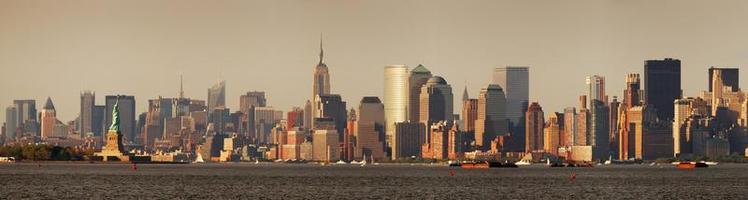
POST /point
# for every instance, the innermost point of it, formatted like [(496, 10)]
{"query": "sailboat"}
[(609, 161), (199, 159)]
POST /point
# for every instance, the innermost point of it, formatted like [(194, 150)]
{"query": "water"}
[(307, 181)]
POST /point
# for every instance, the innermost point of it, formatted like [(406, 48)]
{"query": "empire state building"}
[(321, 84)]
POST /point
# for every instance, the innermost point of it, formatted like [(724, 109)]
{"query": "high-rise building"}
[(409, 139), (613, 125), (534, 124), (325, 145), (662, 85), (217, 96), (247, 104), (516, 84), (443, 142), (369, 131), (632, 95), (436, 101), (685, 110), (333, 107), (596, 89), (307, 115), (570, 127), (320, 83), (552, 133), (48, 119), (26, 111), (88, 101), (583, 127), (395, 100), (599, 130), (126, 114), (11, 122), (295, 118), (98, 122), (418, 77), (730, 78), (252, 98), (469, 114), (491, 120)]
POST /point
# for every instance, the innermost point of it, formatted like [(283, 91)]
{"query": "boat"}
[(257, 161), (452, 163), (523, 162), (609, 161), (341, 162), (363, 162), (475, 165), (711, 163), (199, 159), (7, 159), (685, 165)]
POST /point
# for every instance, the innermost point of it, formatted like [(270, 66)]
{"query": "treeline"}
[(45, 152)]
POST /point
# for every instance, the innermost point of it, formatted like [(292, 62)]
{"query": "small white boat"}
[(199, 159), (711, 163), (609, 161), (257, 161), (341, 162), (523, 162), (363, 162)]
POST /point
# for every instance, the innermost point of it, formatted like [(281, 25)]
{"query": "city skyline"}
[(74, 64)]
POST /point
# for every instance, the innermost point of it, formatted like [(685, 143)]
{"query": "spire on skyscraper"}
[(321, 51), (49, 105), (181, 87), (465, 95)]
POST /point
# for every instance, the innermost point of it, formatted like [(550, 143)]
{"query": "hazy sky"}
[(60, 48)]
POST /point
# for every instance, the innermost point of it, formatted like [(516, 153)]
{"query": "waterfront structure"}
[(409, 139), (443, 142), (662, 85), (491, 118), (515, 82), (325, 145), (396, 100), (88, 101), (685, 109), (417, 79), (48, 119), (730, 78), (126, 113), (436, 101), (217, 96), (369, 129), (534, 124)]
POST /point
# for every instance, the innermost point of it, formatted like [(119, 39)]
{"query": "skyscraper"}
[(217, 96), (596, 89), (88, 101), (48, 119), (320, 83), (662, 85), (26, 111), (516, 84), (570, 126), (99, 120), (730, 77), (331, 106), (534, 124), (491, 120), (436, 101), (370, 129), (469, 114), (409, 137), (126, 114), (395, 99), (418, 77), (247, 104), (11, 121), (632, 95), (552, 133), (599, 130)]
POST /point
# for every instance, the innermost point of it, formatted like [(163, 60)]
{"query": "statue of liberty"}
[(115, 117)]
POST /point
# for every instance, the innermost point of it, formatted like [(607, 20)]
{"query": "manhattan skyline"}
[(65, 51)]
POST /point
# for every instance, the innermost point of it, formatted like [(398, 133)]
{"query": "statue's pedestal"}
[(113, 150)]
